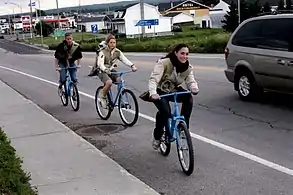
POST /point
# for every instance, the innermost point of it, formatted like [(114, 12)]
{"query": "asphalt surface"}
[(235, 142)]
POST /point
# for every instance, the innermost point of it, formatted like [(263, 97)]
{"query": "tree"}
[(249, 8), (47, 29), (231, 18), (39, 12), (288, 5), (266, 8), (281, 5), (210, 2)]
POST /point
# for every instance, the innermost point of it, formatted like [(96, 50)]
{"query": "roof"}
[(172, 14), (187, 2), (92, 19)]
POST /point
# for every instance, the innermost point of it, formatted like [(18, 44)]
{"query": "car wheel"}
[(247, 87)]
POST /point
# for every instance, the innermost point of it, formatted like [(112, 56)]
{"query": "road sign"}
[(59, 33), (94, 28), (151, 22)]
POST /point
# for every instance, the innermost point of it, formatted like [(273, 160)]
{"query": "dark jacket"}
[(71, 53)]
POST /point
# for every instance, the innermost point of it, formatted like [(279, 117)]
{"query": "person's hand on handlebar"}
[(133, 68), (155, 97), (194, 91), (107, 71)]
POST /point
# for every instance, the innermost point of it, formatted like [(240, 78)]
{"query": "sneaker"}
[(103, 100), (156, 144)]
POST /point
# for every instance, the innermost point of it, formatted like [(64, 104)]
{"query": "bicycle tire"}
[(77, 97), (165, 140), (64, 95), (190, 169), (129, 124), (97, 107)]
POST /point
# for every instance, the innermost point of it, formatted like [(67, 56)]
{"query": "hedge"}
[(207, 41), (13, 180)]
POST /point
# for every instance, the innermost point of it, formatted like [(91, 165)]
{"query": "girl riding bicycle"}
[(168, 73), (106, 63)]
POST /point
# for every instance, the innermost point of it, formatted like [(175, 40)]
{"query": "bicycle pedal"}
[(172, 139)]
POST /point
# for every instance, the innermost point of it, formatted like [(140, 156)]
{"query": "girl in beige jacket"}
[(167, 76)]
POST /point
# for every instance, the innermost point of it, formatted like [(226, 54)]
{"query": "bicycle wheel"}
[(99, 107), (184, 132), (165, 145), (63, 95), (124, 105), (74, 97)]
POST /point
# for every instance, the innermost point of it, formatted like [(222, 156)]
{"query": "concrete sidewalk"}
[(60, 162)]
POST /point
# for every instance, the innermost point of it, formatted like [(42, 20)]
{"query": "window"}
[(276, 34), (272, 34), (248, 35)]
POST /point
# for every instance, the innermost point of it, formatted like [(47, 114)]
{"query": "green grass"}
[(13, 180), (198, 40)]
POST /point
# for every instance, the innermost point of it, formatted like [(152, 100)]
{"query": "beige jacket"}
[(107, 58), (164, 76)]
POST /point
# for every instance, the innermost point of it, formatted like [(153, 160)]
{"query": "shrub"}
[(13, 180)]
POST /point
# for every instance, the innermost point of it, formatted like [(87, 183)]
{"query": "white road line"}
[(196, 136)]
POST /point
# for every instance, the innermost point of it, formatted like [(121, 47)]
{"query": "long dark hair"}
[(178, 65), (176, 49)]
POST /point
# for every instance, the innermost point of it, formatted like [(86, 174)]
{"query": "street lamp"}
[(13, 10), (15, 5)]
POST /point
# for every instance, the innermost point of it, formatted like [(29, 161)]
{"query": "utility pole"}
[(142, 16), (58, 14), (239, 20), (79, 18), (31, 19), (41, 23)]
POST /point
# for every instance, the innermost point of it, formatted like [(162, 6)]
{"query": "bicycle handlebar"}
[(175, 93), (121, 73), (68, 68)]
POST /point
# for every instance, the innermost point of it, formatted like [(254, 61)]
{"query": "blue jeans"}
[(72, 72)]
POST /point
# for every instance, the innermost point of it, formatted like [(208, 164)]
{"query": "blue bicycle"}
[(69, 89), (121, 101), (178, 132)]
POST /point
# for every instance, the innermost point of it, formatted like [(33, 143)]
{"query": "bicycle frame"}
[(68, 79), (175, 117), (121, 87)]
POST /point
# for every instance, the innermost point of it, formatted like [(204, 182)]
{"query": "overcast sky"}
[(46, 4)]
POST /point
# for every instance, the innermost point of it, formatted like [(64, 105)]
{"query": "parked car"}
[(259, 56)]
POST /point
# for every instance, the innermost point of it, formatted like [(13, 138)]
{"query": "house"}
[(87, 22), (199, 11), (124, 21), (180, 18), (217, 14)]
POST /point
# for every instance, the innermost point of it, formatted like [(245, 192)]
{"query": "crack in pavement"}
[(270, 124)]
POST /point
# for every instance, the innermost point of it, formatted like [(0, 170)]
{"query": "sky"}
[(45, 4)]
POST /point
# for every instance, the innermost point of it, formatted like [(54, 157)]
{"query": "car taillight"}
[(226, 52)]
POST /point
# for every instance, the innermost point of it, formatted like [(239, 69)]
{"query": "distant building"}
[(87, 22), (124, 21), (198, 11), (180, 18), (217, 14)]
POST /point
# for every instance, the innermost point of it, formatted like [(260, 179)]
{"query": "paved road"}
[(236, 143)]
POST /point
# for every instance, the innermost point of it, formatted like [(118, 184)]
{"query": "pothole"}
[(100, 129)]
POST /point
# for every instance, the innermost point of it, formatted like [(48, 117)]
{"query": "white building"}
[(180, 18), (125, 20), (87, 23), (217, 14)]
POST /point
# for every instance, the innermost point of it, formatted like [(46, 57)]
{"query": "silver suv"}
[(259, 56)]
